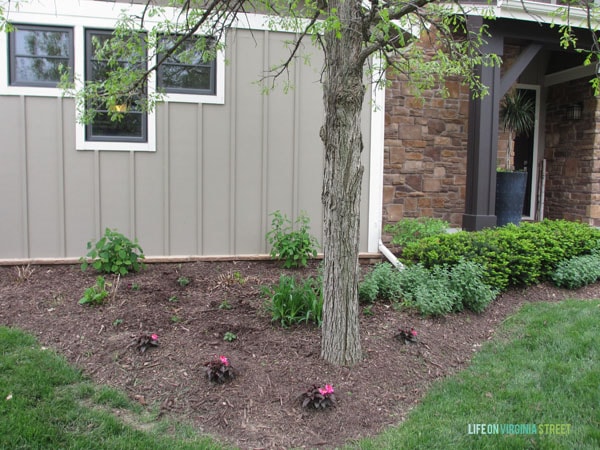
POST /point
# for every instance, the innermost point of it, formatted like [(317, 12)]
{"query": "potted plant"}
[(517, 115)]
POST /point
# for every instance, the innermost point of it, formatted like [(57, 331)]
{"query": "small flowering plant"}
[(219, 370), (318, 397), (407, 335), (144, 341)]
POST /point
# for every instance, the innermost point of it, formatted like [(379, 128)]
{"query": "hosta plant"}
[(318, 397), (219, 370)]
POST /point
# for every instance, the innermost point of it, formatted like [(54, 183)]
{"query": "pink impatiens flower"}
[(328, 389), (224, 360), (154, 337), (413, 331)]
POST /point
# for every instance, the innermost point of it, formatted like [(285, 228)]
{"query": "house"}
[(199, 176), (441, 155)]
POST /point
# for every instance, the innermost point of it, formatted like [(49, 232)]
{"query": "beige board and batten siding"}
[(216, 175)]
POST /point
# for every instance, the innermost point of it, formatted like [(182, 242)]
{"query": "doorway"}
[(526, 152)]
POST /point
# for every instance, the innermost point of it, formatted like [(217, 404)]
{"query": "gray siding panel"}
[(43, 138), (218, 172), (183, 178), (13, 179)]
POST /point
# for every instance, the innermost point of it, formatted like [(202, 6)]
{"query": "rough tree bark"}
[(343, 94)]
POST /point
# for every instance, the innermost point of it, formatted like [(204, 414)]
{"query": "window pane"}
[(187, 77), (36, 54), (38, 69), (42, 43), (129, 126), (185, 71)]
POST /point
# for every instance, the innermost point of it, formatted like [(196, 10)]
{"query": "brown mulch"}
[(259, 408)]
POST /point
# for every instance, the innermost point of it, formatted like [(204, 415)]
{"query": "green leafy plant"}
[(229, 336), (183, 281), (113, 253), (383, 282), (219, 370), (117, 322), (410, 230), (292, 302), (96, 294), (225, 305), (577, 272), (291, 243), (368, 310), (135, 286), (318, 397), (173, 299), (176, 319)]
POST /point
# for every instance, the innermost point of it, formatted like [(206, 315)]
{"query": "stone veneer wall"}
[(572, 155), (425, 153)]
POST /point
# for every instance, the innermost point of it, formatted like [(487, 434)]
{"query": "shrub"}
[(510, 255), (381, 282), (467, 279), (411, 230), (114, 253), (433, 292), (291, 301), (293, 246), (577, 272)]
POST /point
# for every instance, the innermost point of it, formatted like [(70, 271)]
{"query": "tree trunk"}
[(341, 134)]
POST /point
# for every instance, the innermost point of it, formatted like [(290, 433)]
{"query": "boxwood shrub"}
[(511, 255)]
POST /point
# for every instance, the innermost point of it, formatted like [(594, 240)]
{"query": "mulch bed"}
[(259, 408)]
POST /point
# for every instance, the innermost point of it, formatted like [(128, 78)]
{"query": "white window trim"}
[(79, 15)]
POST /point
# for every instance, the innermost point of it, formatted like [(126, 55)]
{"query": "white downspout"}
[(390, 256)]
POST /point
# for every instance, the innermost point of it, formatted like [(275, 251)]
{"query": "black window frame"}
[(12, 54), (88, 75), (212, 90)]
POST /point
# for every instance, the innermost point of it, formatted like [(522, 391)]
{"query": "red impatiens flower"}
[(327, 390)]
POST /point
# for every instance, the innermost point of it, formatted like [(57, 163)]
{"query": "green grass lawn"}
[(543, 367), (47, 404)]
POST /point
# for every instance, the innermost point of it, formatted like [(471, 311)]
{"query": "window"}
[(38, 53), (186, 71), (133, 126)]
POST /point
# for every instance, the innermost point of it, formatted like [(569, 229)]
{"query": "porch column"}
[(480, 196)]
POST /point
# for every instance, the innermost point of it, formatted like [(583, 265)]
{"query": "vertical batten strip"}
[(166, 181), (296, 143), (233, 67), (199, 178), (264, 207), (60, 145), (25, 179)]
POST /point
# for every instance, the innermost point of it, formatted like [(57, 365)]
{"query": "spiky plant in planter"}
[(517, 115)]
